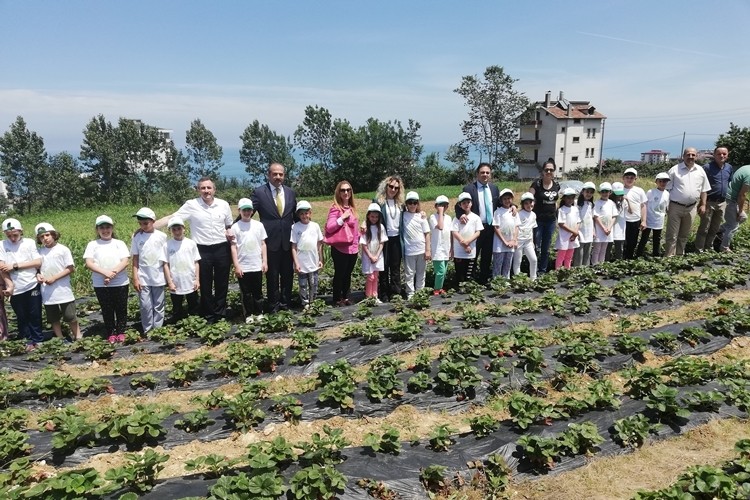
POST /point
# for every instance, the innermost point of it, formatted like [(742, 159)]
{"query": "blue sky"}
[(655, 68)]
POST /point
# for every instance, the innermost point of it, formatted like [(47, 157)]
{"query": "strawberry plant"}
[(632, 431), (663, 402), (665, 341), (50, 384), (266, 486), (688, 370), (14, 418), (243, 411), (459, 378), (82, 483), (540, 452), (194, 421), (71, 429), (94, 348), (530, 360), (320, 482), (422, 363), (382, 379), (693, 335), (9, 389), (337, 381), (463, 349), (497, 474), (553, 302), (289, 407), (139, 473), (388, 442), (704, 401), (630, 344), (580, 439), (601, 395), (144, 424), (324, 450), (641, 381), (525, 306), (421, 299), (473, 318), (213, 401), (186, 372), (214, 334), (364, 309), (96, 385), (440, 438), (419, 382), (146, 381), (190, 326), (406, 327), (170, 337), (433, 479), (376, 489), (579, 354), (282, 321), (13, 444), (212, 466), (499, 286), (526, 410), (483, 425), (278, 449)]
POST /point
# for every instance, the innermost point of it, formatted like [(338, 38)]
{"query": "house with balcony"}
[(570, 132), (655, 156)]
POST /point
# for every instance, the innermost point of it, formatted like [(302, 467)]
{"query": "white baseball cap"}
[(605, 186), (527, 196), (104, 219), (441, 199), (303, 205), (662, 175), (11, 224), (145, 213), (618, 188), (245, 203), (506, 191), (412, 195), (569, 192), (374, 207), (464, 196), (43, 227), (589, 185), (630, 170), (176, 221)]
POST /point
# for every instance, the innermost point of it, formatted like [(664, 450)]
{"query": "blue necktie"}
[(487, 204)]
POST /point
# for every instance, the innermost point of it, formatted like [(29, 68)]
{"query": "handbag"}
[(342, 236)]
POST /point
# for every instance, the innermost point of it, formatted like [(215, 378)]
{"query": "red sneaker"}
[(112, 339)]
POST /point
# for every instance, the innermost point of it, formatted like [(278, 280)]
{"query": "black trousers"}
[(656, 250), (279, 279), (343, 267), (178, 305), (251, 289), (464, 270), (28, 309), (389, 281), (214, 267), (114, 303), (632, 231), (483, 269)]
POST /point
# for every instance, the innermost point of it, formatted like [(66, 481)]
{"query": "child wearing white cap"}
[(441, 244), (526, 225), (465, 238), (307, 253), (250, 260), (505, 224), (568, 224), (582, 254), (21, 260), (182, 270), (616, 250), (371, 244), (656, 211), (634, 202), (605, 213), (54, 276), (149, 251), (107, 258), (415, 234)]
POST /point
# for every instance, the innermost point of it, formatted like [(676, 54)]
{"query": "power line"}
[(643, 142), (734, 111)]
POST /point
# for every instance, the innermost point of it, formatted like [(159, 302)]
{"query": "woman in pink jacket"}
[(342, 234)]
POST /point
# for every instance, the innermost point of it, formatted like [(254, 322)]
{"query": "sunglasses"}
[(605, 191), (395, 188), (412, 202), (344, 190), (662, 180)]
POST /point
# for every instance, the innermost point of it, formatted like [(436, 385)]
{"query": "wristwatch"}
[(15, 266)]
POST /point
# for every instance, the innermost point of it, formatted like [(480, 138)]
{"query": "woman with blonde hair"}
[(390, 197), (342, 234)]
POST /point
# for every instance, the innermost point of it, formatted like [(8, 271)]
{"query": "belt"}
[(718, 199), (683, 204)]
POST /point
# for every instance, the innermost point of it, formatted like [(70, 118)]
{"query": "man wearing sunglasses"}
[(484, 195)]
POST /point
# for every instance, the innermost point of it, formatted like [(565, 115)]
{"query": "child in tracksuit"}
[(440, 236), (505, 224), (148, 249), (526, 225), (415, 231), (568, 224), (307, 253)]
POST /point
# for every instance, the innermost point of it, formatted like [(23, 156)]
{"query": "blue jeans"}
[(542, 240), (28, 309)]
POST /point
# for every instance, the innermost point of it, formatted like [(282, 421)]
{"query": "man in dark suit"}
[(275, 204), (484, 196)]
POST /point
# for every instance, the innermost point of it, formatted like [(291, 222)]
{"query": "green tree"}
[(147, 155), (737, 140), (262, 146), (458, 155), (315, 137), (102, 160), (63, 185), (494, 108), (432, 172), (22, 162), (203, 151)]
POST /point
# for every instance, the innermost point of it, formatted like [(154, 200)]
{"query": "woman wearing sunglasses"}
[(390, 197), (342, 234), (546, 192)]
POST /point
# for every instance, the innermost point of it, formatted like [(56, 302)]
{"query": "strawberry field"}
[(468, 395)]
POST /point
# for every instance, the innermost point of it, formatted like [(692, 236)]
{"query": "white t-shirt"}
[(605, 211), (23, 250), (249, 237), (466, 231), (504, 219), (632, 201), (414, 229), (151, 249), (571, 217), (440, 240), (182, 256), (618, 232), (526, 225), (54, 261), (107, 254), (367, 265), (306, 237), (392, 217), (208, 223), (656, 209), (586, 231)]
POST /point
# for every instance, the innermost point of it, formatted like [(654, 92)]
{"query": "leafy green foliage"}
[(143, 424), (382, 379), (211, 465), (317, 481), (139, 473), (632, 430), (388, 442), (194, 421), (337, 382), (266, 486), (440, 438)]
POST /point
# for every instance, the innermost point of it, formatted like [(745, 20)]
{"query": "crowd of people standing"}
[(489, 234)]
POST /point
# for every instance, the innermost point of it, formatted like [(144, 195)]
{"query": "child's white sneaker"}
[(249, 320)]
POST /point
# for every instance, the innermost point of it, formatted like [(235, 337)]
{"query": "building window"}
[(593, 133), (587, 152), (576, 140), (562, 130), (574, 159), (577, 121), (588, 133), (592, 152), (562, 150)]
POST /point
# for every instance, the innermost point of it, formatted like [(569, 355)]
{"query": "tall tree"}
[(63, 186), (458, 154), (22, 162), (146, 153), (262, 146), (315, 136), (203, 151), (102, 160), (494, 108), (737, 140)]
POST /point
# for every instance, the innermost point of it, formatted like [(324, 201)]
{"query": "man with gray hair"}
[(688, 188), (719, 174)]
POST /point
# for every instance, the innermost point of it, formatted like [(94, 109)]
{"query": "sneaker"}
[(306, 307), (121, 338), (347, 302), (436, 293), (260, 317), (30, 347), (112, 339), (249, 320), (378, 301)]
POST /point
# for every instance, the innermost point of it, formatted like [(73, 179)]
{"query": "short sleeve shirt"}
[(740, 178), (545, 200), (634, 198), (466, 231), (23, 250), (208, 223), (504, 219), (526, 225), (605, 211), (182, 256), (367, 265), (686, 185), (249, 237), (656, 209), (414, 228), (306, 237), (586, 232), (54, 261), (151, 249), (107, 254), (440, 239), (570, 217)]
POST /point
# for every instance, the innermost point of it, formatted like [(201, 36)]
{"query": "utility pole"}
[(682, 149)]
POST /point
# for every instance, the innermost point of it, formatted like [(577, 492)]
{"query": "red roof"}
[(581, 109)]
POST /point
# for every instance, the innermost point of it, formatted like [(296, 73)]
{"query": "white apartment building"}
[(655, 156), (570, 132)]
